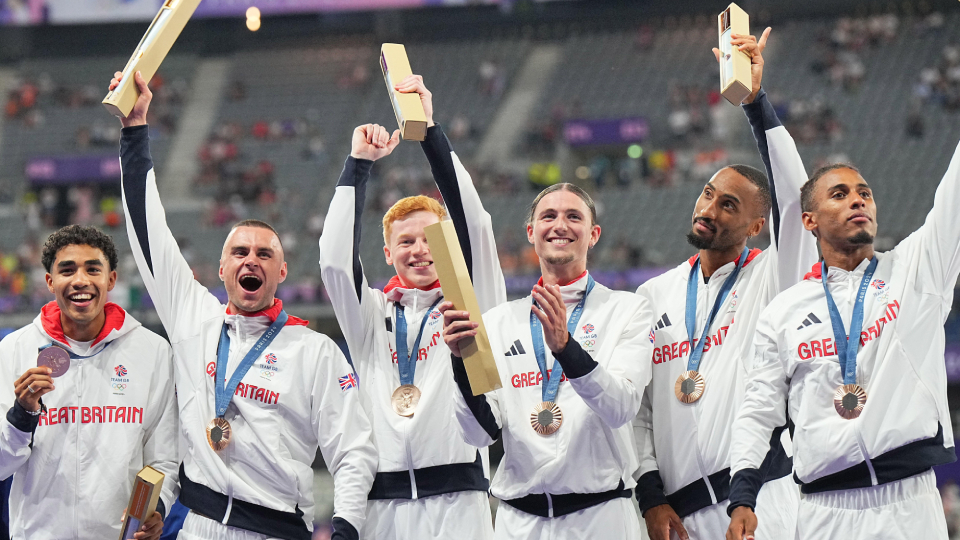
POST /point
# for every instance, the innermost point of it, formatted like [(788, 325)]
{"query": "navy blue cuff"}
[(162, 508), (744, 488), (761, 112), (355, 172), (21, 419), (478, 404), (343, 530), (650, 491), (575, 361), (435, 141), (135, 132)]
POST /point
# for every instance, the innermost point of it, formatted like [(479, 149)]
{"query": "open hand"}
[(138, 115), (754, 50), (373, 141), (552, 313)]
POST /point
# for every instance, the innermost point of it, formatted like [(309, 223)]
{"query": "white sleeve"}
[(343, 434), (614, 390), (472, 222), (340, 267), (764, 404), (161, 429), (181, 302), (17, 426), (939, 237), (795, 247), (479, 416)]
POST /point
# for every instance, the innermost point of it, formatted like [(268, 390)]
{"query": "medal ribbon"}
[(847, 351), (73, 355), (551, 380), (696, 352), (406, 364), (223, 393)]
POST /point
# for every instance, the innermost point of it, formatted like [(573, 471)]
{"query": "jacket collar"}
[(116, 323), (817, 274), (271, 313), (572, 292), (396, 291)]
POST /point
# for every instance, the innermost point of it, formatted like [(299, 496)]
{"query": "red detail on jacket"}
[(50, 318), (273, 312)]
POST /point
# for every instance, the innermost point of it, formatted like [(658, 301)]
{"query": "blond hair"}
[(407, 206)]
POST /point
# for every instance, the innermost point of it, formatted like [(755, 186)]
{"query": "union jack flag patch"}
[(652, 336), (349, 381)]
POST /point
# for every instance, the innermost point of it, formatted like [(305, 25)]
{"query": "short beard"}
[(862, 238), (700, 243), (558, 261)]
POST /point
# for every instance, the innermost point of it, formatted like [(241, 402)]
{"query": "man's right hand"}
[(754, 49), (138, 115), (743, 523), (456, 326), (660, 519), (31, 386), (373, 141)]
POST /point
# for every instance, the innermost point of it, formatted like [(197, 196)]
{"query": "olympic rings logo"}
[(267, 373), (589, 342), (119, 386)]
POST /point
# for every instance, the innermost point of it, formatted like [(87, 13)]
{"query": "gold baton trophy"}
[(735, 80), (407, 107), (457, 288), (149, 54), (143, 501)]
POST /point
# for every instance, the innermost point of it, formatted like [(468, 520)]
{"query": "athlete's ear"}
[(810, 222), (756, 227), (530, 233), (387, 256), (283, 272), (594, 235)]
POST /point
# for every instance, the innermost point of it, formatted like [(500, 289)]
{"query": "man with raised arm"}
[(430, 483), (853, 355), (564, 417), (92, 403), (251, 434), (708, 309)]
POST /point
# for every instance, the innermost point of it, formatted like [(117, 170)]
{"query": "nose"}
[(80, 280), (421, 247), (708, 211), (856, 201), (251, 260)]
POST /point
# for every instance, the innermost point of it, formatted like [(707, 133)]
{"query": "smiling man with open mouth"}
[(246, 471)]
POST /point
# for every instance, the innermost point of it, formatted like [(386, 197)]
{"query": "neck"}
[(712, 259), (82, 332), (561, 274), (234, 310), (845, 257)]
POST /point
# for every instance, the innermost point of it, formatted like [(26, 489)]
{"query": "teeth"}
[(560, 241), (420, 264), (81, 297)]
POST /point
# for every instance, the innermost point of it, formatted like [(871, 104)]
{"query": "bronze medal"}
[(405, 400), (849, 400), (219, 433), (689, 386), (546, 418), (55, 358)]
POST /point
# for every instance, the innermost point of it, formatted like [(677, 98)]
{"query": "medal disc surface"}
[(55, 358), (218, 433), (546, 418), (849, 400), (689, 386), (405, 400)]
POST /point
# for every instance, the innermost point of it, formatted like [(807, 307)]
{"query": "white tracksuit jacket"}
[(423, 455), (905, 427), (593, 452), (684, 446), (297, 396), (113, 412)]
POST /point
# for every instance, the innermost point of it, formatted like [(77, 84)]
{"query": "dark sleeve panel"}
[(763, 118), (136, 162)]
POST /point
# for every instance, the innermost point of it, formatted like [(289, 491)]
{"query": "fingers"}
[(32, 371), (716, 53), (763, 39), (152, 528), (394, 140), (33, 384), (677, 525), (411, 83), (142, 85)]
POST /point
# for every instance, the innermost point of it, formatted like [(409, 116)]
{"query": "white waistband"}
[(876, 496)]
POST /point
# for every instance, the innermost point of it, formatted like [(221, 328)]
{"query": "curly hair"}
[(78, 235)]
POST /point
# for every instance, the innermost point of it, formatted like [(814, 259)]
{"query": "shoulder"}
[(666, 281), (794, 298), (145, 337), (24, 334)]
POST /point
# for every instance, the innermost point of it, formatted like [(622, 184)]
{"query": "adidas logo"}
[(663, 322), (515, 349), (811, 319)]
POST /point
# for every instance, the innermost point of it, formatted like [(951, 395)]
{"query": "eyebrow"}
[(91, 262), (860, 185)]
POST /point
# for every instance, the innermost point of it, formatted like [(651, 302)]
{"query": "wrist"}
[(31, 409)]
